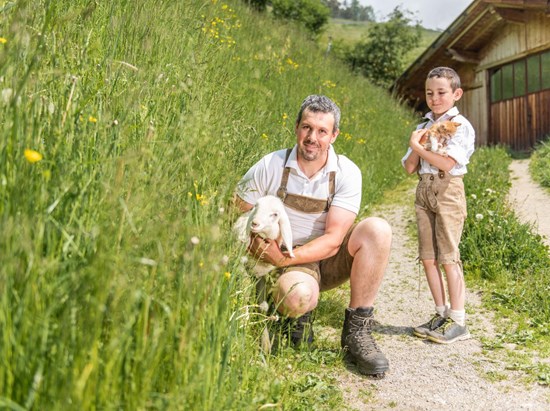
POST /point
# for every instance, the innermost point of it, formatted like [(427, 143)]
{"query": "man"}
[(322, 196)]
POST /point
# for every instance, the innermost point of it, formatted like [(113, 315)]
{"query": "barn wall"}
[(517, 40), (513, 41)]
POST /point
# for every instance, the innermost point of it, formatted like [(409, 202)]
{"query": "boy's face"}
[(440, 96)]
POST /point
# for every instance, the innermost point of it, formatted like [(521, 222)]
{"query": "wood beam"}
[(512, 15), (463, 56)]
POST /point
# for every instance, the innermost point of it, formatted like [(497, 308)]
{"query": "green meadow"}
[(125, 127)]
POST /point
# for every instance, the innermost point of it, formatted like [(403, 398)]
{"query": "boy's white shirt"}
[(460, 147)]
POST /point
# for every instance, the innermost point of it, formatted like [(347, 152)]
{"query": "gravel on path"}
[(429, 376)]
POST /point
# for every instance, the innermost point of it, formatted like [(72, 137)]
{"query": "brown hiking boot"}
[(359, 345), (293, 332)]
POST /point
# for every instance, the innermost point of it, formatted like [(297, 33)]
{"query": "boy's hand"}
[(416, 138)]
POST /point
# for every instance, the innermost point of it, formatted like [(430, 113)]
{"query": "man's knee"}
[(296, 295), (372, 231)]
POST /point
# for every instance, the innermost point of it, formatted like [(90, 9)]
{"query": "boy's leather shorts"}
[(440, 206)]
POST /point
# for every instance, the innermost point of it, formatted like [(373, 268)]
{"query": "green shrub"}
[(313, 14), (539, 165)]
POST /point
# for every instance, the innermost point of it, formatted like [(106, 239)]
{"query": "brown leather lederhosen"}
[(303, 203)]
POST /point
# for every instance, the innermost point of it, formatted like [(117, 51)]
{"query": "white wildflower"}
[(6, 95), (479, 217), (264, 306), (195, 240), (474, 196)]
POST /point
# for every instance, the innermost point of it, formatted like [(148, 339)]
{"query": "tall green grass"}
[(539, 166), (121, 286), (506, 258)]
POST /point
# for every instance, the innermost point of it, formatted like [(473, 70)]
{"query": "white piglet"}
[(268, 219)]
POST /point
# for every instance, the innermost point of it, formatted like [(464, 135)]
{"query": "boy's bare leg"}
[(457, 288), (435, 281)]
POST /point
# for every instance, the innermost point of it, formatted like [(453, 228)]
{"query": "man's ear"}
[(333, 139)]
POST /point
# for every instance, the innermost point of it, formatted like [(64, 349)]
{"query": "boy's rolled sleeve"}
[(461, 146)]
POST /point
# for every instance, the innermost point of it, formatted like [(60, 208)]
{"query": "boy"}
[(441, 206)]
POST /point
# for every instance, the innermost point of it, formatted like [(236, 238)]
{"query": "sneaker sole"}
[(441, 341), (420, 335)]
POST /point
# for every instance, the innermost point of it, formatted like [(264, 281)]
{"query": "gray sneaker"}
[(449, 332), (422, 330)]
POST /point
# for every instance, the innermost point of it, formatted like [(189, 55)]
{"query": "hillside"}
[(349, 32), (124, 129)]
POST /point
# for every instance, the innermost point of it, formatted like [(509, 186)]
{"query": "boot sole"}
[(376, 372)]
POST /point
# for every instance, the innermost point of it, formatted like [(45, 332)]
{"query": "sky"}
[(433, 14)]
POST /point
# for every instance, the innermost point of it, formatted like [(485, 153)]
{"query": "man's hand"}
[(266, 250)]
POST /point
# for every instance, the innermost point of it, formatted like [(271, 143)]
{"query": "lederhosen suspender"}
[(303, 203)]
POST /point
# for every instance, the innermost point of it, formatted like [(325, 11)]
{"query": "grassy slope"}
[(120, 286)]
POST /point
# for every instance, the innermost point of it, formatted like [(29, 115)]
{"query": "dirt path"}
[(427, 376), (530, 201)]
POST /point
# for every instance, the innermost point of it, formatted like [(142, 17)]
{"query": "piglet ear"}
[(286, 232)]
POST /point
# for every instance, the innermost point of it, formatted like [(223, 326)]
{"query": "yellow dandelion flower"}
[(3, 40), (32, 156), (264, 136), (92, 119), (227, 275), (285, 116)]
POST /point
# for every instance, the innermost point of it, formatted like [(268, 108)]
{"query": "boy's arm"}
[(418, 151)]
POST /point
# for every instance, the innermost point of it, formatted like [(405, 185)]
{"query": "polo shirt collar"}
[(332, 162)]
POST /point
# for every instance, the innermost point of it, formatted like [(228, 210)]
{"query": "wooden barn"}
[(501, 50)]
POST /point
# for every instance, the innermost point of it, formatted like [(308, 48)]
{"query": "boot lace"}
[(361, 329)]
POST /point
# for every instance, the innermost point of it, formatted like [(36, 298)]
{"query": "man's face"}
[(314, 135)]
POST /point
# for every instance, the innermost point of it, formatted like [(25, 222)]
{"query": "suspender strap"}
[(306, 204), (282, 192), (332, 188)]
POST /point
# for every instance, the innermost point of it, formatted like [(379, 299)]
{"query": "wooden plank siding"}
[(539, 108), (522, 122)]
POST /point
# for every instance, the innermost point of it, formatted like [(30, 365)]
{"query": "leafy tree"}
[(381, 56), (312, 13), (353, 11)]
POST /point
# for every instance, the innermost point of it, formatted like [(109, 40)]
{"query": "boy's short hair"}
[(448, 73)]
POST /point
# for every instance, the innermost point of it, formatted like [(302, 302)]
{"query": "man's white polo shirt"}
[(264, 178)]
